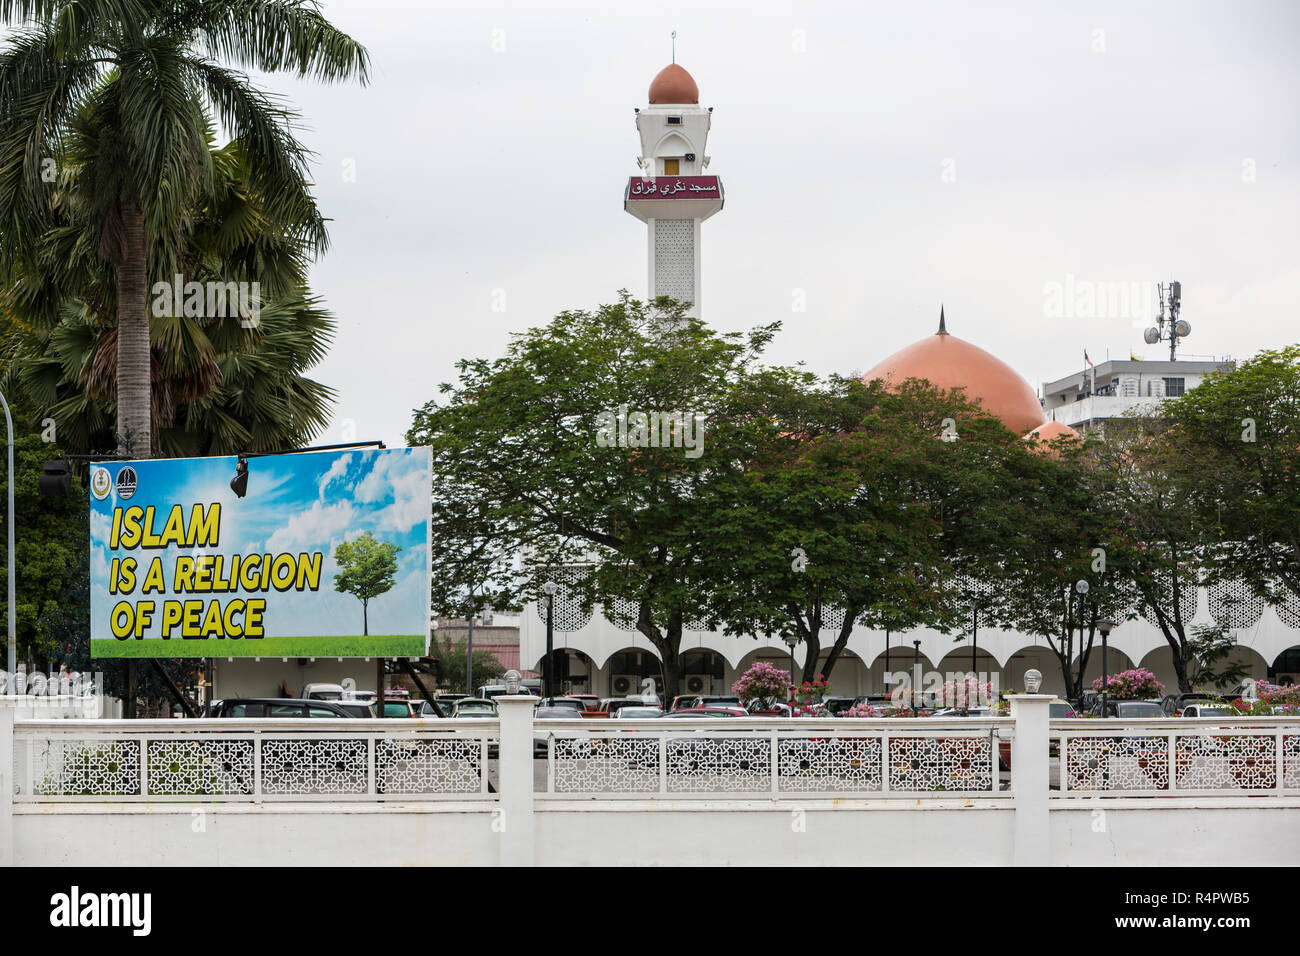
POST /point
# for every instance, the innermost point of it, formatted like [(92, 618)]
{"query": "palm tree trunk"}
[(134, 424)]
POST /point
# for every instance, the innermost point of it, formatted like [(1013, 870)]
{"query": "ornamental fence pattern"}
[(1185, 757), (739, 756), (251, 761)]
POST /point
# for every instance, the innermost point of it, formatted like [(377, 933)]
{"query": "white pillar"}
[(1030, 777), (515, 780), (7, 707)]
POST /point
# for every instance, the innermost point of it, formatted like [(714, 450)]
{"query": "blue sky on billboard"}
[(298, 505)]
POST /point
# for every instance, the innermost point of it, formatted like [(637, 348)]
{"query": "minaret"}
[(671, 196)]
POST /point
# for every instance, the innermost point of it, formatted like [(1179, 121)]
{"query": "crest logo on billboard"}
[(127, 481), (101, 483)]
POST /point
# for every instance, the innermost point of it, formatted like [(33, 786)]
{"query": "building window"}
[(674, 121), (672, 167), (1175, 387)]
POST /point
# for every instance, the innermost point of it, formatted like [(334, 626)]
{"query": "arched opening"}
[(1285, 668), (703, 672), (628, 668)]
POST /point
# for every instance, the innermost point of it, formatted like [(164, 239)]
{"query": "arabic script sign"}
[(674, 187)]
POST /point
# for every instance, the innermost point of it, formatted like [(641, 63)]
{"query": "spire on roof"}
[(943, 327)]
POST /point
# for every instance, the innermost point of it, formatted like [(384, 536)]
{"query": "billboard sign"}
[(326, 556)]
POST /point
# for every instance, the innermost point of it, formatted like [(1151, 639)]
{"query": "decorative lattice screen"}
[(1233, 605), (675, 258)]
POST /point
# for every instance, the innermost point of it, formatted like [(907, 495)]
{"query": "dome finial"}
[(943, 326)]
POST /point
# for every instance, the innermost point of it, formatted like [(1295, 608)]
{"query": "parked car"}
[(401, 708), (838, 705), (968, 712), (474, 707), (540, 737), (357, 708), (589, 701), (1173, 704), (566, 703), (612, 705), (754, 706), (715, 700), (682, 701), (709, 712), (637, 713), (436, 709), (1209, 709), (279, 707), (322, 692), (1131, 709)]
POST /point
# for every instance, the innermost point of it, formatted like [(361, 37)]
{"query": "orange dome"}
[(949, 362), (674, 85), (1050, 431)]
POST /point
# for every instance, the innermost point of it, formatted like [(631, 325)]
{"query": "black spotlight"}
[(239, 484), (56, 478)]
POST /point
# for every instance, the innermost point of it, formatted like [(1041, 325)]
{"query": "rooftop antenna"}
[(674, 46), (1171, 299)]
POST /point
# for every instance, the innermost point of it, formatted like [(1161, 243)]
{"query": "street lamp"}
[(549, 589), (511, 678), (1105, 625), (13, 607), (790, 641), (1033, 680), (916, 673)]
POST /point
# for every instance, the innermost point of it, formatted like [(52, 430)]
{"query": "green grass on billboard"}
[(376, 645)]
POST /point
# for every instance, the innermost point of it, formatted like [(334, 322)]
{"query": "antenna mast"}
[(1171, 299)]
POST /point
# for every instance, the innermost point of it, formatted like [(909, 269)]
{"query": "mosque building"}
[(599, 651)]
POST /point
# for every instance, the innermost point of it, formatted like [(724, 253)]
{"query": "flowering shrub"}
[(861, 710), (1137, 684), (966, 693), (763, 680), (813, 691), (1273, 699)]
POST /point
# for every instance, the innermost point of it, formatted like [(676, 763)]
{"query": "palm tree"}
[(136, 84), (216, 386)]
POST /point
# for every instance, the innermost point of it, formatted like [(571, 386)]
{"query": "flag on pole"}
[(1134, 358), (1087, 360)]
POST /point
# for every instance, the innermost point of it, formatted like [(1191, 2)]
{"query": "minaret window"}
[(674, 121), (672, 167)]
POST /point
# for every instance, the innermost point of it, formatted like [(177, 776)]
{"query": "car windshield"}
[(639, 712), (1202, 711), (475, 707), (1061, 710)]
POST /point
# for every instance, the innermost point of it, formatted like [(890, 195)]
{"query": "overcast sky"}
[(881, 157)]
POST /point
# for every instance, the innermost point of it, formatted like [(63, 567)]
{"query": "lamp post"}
[(469, 656), (974, 636), (1105, 625), (549, 589), (916, 673), (886, 681), (9, 518), (790, 641), (1081, 588)]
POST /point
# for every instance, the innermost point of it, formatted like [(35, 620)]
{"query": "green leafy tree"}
[(367, 569), (524, 464), (52, 540), (1234, 446), (865, 511), (147, 76), (220, 384)]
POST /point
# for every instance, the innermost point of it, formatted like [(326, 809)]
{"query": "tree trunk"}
[(365, 618), (812, 650), (841, 641), (134, 407)]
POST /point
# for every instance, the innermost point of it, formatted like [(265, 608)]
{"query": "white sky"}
[(479, 170)]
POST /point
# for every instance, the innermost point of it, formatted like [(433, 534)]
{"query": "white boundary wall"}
[(532, 822)]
